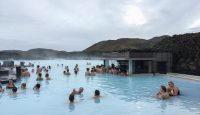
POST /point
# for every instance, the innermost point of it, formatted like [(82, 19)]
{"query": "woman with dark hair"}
[(71, 98), (36, 87)]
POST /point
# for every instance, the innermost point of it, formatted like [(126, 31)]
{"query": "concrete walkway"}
[(184, 76)]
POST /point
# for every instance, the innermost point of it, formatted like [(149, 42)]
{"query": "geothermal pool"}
[(133, 95)]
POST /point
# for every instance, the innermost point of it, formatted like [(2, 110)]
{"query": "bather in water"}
[(37, 87), (79, 91), (39, 78), (173, 90), (163, 94), (10, 84)]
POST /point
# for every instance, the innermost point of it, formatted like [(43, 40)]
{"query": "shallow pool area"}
[(132, 95)]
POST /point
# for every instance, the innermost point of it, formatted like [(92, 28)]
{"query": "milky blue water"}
[(134, 95)]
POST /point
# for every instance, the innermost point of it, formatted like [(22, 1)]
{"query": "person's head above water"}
[(37, 86), (23, 85), (163, 88), (97, 93), (47, 75), (81, 89), (171, 84), (71, 97), (14, 90)]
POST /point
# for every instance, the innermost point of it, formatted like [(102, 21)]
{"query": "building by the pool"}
[(141, 61)]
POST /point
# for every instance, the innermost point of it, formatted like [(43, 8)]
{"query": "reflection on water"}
[(71, 107), (81, 97), (163, 105), (97, 100), (14, 96), (46, 82), (1, 94), (23, 91), (37, 93)]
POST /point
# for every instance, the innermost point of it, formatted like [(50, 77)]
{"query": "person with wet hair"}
[(97, 94), (23, 86), (64, 72), (47, 76), (37, 87), (14, 90)]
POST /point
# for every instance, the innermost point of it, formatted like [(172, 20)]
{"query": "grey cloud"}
[(75, 25)]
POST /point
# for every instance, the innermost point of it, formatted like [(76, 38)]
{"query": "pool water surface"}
[(133, 95)]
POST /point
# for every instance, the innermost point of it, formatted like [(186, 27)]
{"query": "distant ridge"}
[(39, 53), (185, 49), (124, 43)]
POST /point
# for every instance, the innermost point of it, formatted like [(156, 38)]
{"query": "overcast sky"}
[(73, 25)]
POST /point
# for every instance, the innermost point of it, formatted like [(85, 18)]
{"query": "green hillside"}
[(186, 52), (123, 43)]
